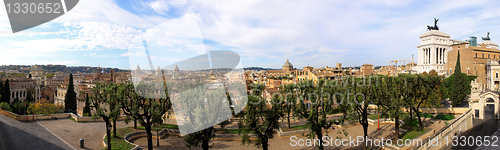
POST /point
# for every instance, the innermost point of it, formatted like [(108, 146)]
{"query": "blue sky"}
[(264, 33)]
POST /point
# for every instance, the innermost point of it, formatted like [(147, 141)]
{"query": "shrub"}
[(5, 106), (44, 107), (19, 107)]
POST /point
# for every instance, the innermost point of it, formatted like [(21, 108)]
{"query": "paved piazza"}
[(71, 131)]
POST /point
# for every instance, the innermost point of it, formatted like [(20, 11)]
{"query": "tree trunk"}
[(419, 120), (396, 123), (108, 132), (320, 137), (135, 123), (365, 126), (288, 118), (411, 114), (204, 144), (265, 144), (114, 128), (157, 137), (149, 135)]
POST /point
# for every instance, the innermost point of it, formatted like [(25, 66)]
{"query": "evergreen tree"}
[(460, 86), (86, 109), (70, 98), (314, 105), (360, 92), (146, 110), (203, 115), (6, 92), (390, 98), (259, 119), (1, 91), (104, 96), (29, 97)]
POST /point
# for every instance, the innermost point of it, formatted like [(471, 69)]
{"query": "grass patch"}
[(373, 117), (118, 143), (233, 131), (71, 118), (411, 124), (413, 134), (445, 117), (427, 115), (170, 126), (299, 127)]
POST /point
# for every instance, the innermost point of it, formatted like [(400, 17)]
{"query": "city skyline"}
[(264, 34)]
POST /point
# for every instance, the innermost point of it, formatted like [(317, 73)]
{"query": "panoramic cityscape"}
[(250, 75)]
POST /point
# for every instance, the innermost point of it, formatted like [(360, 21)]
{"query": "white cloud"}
[(267, 32), (92, 35)]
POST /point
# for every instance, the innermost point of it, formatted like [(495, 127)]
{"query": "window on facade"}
[(488, 55), (483, 55), (476, 55), (496, 75), (468, 71)]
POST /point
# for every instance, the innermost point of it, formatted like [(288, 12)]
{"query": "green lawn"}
[(427, 115), (373, 117), (445, 117), (170, 126), (410, 125), (299, 127), (118, 143), (413, 134), (233, 131)]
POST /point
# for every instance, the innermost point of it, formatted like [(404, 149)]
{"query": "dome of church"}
[(36, 67), (137, 68), (287, 65), (176, 69)]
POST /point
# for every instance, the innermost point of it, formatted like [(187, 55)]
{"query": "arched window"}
[(450, 70), (468, 71), (496, 74)]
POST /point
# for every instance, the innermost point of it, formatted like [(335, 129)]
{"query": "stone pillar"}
[(440, 55), (433, 55), (481, 112), (426, 55), (497, 102)]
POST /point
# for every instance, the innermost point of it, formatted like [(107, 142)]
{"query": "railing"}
[(442, 139)]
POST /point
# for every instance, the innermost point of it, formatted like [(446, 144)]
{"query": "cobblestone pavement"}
[(27, 135)]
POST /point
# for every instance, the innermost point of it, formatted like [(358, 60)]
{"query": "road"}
[(27, 135)]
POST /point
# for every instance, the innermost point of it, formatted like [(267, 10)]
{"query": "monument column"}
[(433, 55), (425, 55), (445, 56)]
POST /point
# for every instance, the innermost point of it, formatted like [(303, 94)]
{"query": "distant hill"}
[(258, 68), (58, 68)]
